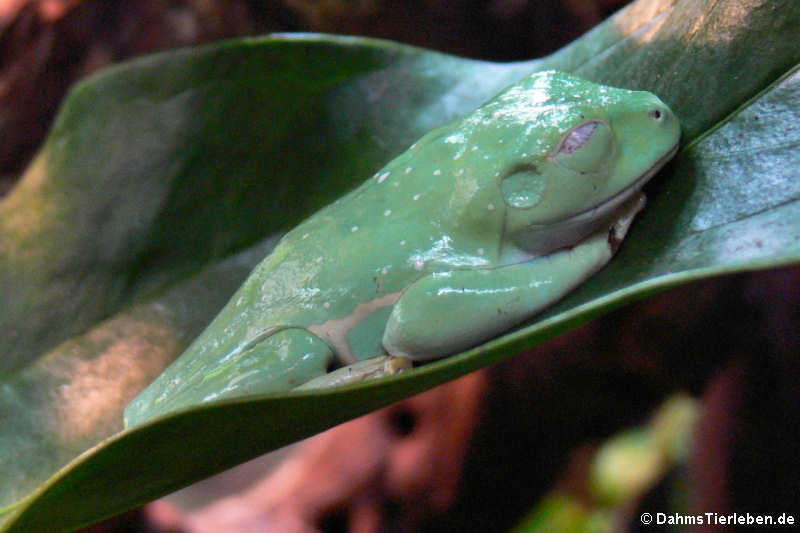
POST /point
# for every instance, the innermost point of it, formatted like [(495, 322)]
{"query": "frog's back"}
[(354, 251)]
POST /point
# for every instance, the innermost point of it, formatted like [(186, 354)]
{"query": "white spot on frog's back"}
[(437, 172), (383, 177), (295, 281), (408, 170), (419, 264), (387, 212), (354, 229), (416, 197)]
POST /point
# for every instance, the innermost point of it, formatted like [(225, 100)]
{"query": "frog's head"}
[(574, 151)]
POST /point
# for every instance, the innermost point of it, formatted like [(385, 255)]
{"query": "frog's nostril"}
[(656, 114)]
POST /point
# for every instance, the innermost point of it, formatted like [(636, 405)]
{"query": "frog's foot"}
[(376, 367), (396, 365), (622, 220)]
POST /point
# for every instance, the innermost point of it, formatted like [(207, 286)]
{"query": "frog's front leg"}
[(445, 313)]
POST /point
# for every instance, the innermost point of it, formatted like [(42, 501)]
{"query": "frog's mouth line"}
[(604, 209)]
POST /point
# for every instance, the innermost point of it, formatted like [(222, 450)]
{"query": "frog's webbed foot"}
[(623, 219), (376, 367)]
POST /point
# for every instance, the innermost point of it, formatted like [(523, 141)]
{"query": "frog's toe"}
[(375, 367)]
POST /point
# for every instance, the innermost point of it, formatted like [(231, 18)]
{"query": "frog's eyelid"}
[(578, 137)]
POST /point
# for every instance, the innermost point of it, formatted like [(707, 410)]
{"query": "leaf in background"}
[(157, 169)]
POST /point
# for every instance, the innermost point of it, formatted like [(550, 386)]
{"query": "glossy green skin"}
[(497, 188)]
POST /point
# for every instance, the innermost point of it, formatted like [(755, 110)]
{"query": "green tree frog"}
[(476, 227)]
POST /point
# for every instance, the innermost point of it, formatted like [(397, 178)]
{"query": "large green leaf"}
[(113, 246)]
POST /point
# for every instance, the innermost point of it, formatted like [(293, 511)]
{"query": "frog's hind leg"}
[(279, 362)]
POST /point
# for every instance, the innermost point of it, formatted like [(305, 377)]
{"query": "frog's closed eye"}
[(587, 147)]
